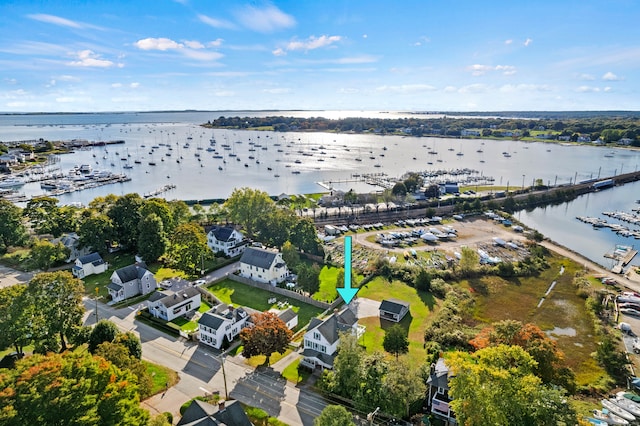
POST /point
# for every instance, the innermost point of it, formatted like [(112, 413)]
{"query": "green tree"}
[(118, 355), (309, 277), (45, 254), (160, 207), (246, 205), (131, 342), (399, 189), (395, 340), (402, 388), (371, 392), (423, 281), (346, 366), (103, 331), (180, 212), (290, 256), (334, 415), (188, 247), (95, 231), (274, 228), (73, 388), (269, 334), (12, 229), (17, 318), (480, 381), (153, 241), (58, 296), (469, 260), (43, 213), (305, 237), (125, 216)]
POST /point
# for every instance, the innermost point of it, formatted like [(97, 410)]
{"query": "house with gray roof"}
[(200, 413), (393, 309), (169, 305), (227, 240), (89, 265), (438, 400), (263, 265), (289, 317), (222, 322), (323, 336), (130, 281)]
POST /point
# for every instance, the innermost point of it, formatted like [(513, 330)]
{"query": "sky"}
[(371, 55)]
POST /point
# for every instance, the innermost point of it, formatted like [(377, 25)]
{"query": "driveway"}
[(9, 277), (365, 307)]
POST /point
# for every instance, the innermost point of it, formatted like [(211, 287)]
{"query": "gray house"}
[(393, 309), (88, 265), (200, 413), (132, 280), (169, 305), (263, 265)]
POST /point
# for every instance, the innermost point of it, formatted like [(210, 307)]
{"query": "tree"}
[(180, 212), (481, 380), (12, 229), (269, 334), (71, 388), (399, 189), (95, 231), (131, 342), (402, 387), (290, 256), (125, 216), (103, 331), (188, 247), (423, 280), (44, 253), (43, 213), (119, 356), (58, 296), (275, 226), (153, 241), (305, 237), (334, 415), (160, 207), (17, 318), (395, 340), (347, 374), (309, 277), (371, 391), (469, 260), (246, 205)]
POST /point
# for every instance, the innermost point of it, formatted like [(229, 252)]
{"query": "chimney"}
[(221, 405)]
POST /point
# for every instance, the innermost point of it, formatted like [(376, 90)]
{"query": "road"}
[(200, 371)]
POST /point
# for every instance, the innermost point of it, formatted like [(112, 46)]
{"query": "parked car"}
[(9, 360), (199, 282)]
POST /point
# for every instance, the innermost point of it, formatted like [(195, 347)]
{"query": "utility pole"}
[(224, 377), (371, 415), (96, 299)]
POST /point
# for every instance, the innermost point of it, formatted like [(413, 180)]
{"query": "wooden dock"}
[(624, 261)]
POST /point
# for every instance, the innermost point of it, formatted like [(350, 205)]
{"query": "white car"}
[(199, 282)]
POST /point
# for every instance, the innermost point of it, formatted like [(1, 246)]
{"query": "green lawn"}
[(161, 376), (291, 373), (415, 322), (232, 292), (328, 279), (204, 307), (185, 325)]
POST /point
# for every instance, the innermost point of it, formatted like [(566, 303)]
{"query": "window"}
[(316, 335)]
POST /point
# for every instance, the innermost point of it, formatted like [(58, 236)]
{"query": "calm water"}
[(318, 157)]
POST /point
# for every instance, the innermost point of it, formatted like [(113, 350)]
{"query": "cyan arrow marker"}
[(347, 293)]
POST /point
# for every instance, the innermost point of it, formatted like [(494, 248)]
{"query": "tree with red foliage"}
[(269, 334), (533, 340)]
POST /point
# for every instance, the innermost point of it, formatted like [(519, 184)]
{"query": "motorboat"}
[(608, 417), (619, 411), (626, 404), (11, 183)]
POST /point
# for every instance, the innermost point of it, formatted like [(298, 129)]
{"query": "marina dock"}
[(623, 255)]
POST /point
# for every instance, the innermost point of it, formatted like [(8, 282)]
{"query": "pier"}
[(623, 255)]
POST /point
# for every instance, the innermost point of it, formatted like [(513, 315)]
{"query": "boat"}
[(626, 404), (11, 183), (610, 418), (596, 422), (85, 168), (619, 411)]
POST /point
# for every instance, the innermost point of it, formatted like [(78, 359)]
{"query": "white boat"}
[(596, 422), (11, 183), (626, 404), (615, 409), (429, 237), (608, 417)]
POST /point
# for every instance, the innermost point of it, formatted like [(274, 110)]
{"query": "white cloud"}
[(161, 43), (225, 93), (508, 42), (56, 20), (406, 88), (87, 58), (193, 44), (362, 59), (609, 76), (586, 77), (348, 91), (215, 43), (134, 85), (116, 85), (364, 36), (587, 89), (312, 43), (277, 91), (11, 81), (264, 19), (607, 89), (279, 52), (512, 88), (527, 42), (422, 40), (473, 88), (450, 89), (201, 55), (216, 23), (478, 69)]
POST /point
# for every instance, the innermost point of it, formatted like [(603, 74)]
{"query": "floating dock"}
[(623, 255)]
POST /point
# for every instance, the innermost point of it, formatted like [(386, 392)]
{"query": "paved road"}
[(200, 372)]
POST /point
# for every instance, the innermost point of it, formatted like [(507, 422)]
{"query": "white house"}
[(263, 265), (131, 281), (438, 400), (72, 242), (322, 338), (220, 322), (226, 240), (393, 309), (88, 265), (169, 305), (289, 317)]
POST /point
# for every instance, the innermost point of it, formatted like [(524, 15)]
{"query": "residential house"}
[(263, 265), (72, 242), (200, 413), (393, 309), (227, 240), (89, 265), (169, 305), (468, 132), (222, 322), (438, 394), (323, 336), (132, 280)]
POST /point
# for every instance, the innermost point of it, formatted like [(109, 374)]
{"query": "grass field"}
[(562, 314), (415, 322), (232, 292), (328, 279), (161, 376)]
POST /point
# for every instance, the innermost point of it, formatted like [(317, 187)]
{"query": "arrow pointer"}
[(347, 293)]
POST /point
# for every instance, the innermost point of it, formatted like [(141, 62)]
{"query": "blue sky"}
[(422, 55)]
